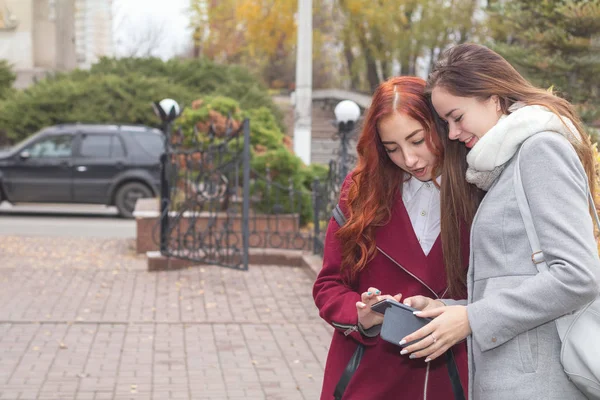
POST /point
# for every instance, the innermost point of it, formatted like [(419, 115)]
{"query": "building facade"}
[(41, 36)]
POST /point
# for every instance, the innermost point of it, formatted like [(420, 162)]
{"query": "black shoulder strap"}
[(348, 372), (350, 369)]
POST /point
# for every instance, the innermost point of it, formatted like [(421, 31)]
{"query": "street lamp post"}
[(347, 114), (167, 110)]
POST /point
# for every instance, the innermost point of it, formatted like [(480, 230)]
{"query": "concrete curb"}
[(294, 258)]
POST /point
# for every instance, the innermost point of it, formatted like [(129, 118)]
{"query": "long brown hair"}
[(472, 70), (376, 181), (459, 201)]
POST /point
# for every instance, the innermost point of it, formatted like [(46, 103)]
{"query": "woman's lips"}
[(470, 142), (419, 173)]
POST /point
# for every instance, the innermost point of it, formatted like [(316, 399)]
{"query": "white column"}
[(303, 103)]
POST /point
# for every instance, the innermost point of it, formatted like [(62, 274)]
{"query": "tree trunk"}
[(349, 56), (412, 66), (371, 63)]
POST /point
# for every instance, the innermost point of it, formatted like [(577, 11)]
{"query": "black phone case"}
[(398, 321)]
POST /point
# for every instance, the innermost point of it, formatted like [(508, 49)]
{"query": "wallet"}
[(398, 321)]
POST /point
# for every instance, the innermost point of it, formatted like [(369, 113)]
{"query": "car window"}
[(150, 142), (51, 147), (95, 146), (117, 150)]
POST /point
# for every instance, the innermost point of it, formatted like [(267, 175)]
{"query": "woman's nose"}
[(411, 159), (453, 132)]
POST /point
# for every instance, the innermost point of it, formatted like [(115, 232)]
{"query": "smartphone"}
[(398, 321), (383, 305)]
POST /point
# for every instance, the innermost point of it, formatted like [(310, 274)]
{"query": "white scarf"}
[(494, 149)]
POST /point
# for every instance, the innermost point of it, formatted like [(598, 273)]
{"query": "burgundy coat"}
[(383, 373)]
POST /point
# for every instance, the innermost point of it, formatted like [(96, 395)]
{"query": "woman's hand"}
[(450, 326), (423, 303), (366, 317)]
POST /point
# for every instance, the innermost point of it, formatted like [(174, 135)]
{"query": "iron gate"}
[(205, 197)]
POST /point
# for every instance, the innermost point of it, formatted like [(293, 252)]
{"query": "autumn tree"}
[(554, 43), (384, 38), (261, 34), (257, 33)]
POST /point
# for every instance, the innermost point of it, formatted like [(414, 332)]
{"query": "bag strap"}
[(338, 215), (457, 388), (350, 369), (537, 255)]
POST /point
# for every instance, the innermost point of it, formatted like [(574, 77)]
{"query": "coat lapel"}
[(398, 240)]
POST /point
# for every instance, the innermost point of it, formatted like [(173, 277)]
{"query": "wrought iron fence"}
[(205, 197), (215, 205), (326, 193)]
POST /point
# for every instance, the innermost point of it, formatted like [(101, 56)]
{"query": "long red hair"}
[(376, 180)]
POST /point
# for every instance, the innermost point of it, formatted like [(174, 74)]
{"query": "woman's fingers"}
[(431, 313), (418, 335), (449, 328), (371, 293), (432, 348), (418, 302)]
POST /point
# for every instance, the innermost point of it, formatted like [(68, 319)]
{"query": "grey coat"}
[(514, 349)]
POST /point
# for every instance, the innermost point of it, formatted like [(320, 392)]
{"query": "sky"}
[(151, 27)]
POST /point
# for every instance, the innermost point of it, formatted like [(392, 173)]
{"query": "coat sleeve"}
[(336, 300), (556, 188)]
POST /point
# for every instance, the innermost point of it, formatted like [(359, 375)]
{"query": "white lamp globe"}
[(346, 111), (170, 108)]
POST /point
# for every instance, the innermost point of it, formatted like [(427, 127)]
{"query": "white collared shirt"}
[(422, 201)]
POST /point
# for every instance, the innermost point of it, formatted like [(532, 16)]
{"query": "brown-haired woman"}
[(514, 130), (389, 245)]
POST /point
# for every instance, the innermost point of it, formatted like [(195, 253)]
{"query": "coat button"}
[(494, 340)]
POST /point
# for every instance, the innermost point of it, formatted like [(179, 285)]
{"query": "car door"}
[(99, 158), (41, 172)]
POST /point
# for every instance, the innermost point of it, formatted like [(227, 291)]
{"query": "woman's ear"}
[(496, 100)]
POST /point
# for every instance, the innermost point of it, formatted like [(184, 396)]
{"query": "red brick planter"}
[(266, 231)]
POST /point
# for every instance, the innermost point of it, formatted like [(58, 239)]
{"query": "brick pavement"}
[(82, 319)]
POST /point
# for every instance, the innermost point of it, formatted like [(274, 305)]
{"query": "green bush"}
[(287, 192), (290, 180), (264, 129), (87, 98), (7, 78), (122, 90), (202, 76), (312, 172)]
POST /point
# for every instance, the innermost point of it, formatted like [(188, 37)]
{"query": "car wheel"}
[(128, 195)]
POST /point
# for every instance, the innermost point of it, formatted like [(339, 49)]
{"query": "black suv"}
[(81, 163)]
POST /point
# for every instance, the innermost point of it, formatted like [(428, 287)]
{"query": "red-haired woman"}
[(390, 246)]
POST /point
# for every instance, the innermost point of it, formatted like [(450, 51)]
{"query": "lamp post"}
[(347, 114), (167, 110)]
